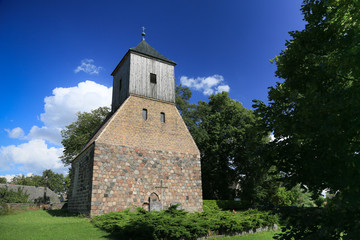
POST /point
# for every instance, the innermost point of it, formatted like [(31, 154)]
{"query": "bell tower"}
[(143, 71), (143, 154)]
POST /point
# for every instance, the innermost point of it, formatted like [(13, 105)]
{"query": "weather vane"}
[(143, 33)]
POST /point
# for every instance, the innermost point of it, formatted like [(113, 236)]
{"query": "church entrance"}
[(154, 202)]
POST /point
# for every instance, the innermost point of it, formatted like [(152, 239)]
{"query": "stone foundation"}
[(125, 176)]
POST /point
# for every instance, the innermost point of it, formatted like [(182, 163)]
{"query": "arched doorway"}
[(154, 202)]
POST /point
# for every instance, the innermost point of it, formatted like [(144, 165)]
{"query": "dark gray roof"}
[(144, 48), (34, 192)]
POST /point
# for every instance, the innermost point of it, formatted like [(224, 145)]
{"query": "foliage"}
[(178, 224), (255, 236), (230, 144), (296, 196), (187, 110), (231, 205), (79, 132), (10, 196), (55, 181), (3, 180), (34, 180), (314, 113)]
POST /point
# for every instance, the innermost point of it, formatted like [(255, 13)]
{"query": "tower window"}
[(120, 86), (152, 78), (144, 113), (162, 117)]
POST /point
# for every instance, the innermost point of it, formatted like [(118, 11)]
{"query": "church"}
[(143, 154)]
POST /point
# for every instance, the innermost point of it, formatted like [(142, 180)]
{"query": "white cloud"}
[(33, 156), (87, 66), (223, 88), (60, 110), (51, 134), (62, 106), (15, 133), (8, 177), (207, 85)]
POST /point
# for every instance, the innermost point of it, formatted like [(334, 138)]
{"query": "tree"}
[(314, 113), (54, 181), (230, 145), (3, 180), (187, 110), (79, 132)]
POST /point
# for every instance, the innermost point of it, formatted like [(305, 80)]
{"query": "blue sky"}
[(56, 58)]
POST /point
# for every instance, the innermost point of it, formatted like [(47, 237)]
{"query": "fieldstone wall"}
[(126, 176), (79, 196)]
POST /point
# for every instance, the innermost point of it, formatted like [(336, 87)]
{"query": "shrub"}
[(224, 205), (11, 196), (179, 224)]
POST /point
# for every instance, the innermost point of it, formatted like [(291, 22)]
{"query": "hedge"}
[(179, 224)]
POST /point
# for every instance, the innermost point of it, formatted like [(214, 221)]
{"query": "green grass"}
[(255, 236), (47, 225)]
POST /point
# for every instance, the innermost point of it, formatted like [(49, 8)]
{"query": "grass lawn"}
[(255, 236), (56, 224), (51, 225)]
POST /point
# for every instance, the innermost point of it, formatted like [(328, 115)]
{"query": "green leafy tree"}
[(230, 145), (79, 132), (314, 113), (68, 181), (54, 181), (21, 180), (187, 110), (3, 180)]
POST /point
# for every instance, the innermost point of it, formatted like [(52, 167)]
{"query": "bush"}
[(179, 224), (11, 196), (225, 205), (4, 210)]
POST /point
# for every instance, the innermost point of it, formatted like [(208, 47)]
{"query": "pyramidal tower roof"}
[(144, 48)]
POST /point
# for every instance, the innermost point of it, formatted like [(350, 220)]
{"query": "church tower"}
[(144, 72), (143, 154)]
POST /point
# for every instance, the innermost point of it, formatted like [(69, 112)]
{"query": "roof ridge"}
[(144, 48)]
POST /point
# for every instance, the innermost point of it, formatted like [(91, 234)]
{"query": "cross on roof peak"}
[(143, 32)]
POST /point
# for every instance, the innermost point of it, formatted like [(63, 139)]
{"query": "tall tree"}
[(314, 113), (54, 181), (230, 144), (79, 132)]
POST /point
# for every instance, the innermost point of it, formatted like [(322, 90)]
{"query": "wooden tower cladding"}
[(143, 155)]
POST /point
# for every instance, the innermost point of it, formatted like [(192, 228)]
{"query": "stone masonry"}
[(81, 182), (126, 160), (125, 177)]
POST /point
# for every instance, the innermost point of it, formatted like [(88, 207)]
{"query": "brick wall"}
[(128, 128), (125, 176)]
